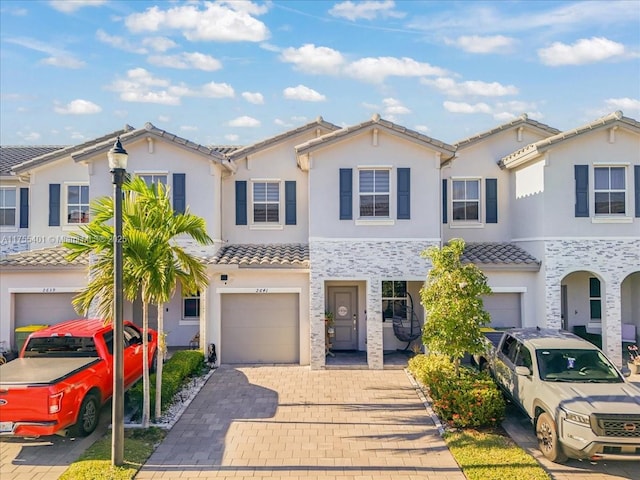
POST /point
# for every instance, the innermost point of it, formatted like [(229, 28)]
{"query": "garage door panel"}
[(43, 308), (504, 309), (260, 328)]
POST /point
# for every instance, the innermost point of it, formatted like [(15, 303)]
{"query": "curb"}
[(426, 401)]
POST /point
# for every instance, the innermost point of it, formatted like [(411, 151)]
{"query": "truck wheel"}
[(87, 417), (548, 439)]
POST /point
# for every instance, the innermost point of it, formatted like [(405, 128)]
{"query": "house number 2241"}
[(262, 290)]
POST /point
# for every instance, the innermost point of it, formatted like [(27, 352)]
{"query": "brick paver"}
[(294, 423)]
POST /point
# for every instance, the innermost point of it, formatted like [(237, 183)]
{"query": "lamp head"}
[(117, 156)]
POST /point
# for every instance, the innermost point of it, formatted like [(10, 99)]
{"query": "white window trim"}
[(16, 225), (384, 221), (479, 223), (610, 217), (279, 225), (65, 205)]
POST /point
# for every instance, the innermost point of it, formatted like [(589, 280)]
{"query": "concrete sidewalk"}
[(294, 423)]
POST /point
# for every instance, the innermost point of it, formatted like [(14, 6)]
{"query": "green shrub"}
[(469, 400), (182, 365)]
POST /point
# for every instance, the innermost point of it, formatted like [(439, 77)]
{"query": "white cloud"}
[(394, 107), (422, 129), (303, 93), (504, 116), (220, 21), (29, 136), (218, 90), (58, 57), (67, 6), (64, 62), (627, 105), (585, 50), (312, 59), (188, 128), (483, 44), (164, 118), (253, 97), (232, 137), (244, 121), (449, 86), (269, 47), (368, 10), (185, 60), (462, 107), (375, 70), (78, 107), (159, 44), (282, 123), (120, 43)]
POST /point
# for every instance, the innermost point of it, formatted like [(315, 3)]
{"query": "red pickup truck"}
[(64, 374)]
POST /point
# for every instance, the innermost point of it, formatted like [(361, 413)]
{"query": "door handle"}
[(354, 321)]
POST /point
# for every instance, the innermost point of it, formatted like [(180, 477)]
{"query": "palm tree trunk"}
[(160, 360), (146, 394)]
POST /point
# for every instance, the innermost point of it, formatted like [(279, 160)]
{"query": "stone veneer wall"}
[(369, 260), (612, 261)]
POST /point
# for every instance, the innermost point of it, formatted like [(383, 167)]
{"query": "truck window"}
[(523, 358), (510, 348), (131, 336)]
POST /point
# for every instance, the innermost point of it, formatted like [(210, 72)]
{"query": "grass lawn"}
[(95, 463), (492, 456)]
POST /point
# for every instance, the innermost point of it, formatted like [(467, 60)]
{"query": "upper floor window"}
[(266, 202), (610, 190), (153, 178), (466, 200), (8, 207), (77, 204), (394, 299), (374, 193)]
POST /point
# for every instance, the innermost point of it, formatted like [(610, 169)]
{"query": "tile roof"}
[(520, 121), (375, 120), (267, 255), (11, 155), (534, 149), (499, 255), (44, 257)]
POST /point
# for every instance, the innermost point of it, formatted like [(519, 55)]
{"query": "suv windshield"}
[(555, 365)]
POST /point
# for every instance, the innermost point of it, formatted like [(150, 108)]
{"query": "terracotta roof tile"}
[(268, 255), (44, 257), (499, 255)]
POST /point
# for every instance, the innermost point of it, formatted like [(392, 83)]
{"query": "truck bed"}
[(41, 371)]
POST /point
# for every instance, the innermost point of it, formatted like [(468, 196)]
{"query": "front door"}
[(343, 303)]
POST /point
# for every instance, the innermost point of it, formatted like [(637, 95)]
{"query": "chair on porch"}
[(407, 328)]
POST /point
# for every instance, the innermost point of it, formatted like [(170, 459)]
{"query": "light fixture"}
[(117, 156)]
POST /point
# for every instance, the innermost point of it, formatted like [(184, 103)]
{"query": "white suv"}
[(579, 403)]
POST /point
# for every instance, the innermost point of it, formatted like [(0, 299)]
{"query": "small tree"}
[(451, 298)]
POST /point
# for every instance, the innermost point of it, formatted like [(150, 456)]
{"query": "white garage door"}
[(504, 309), (43, 308), (260, 328)]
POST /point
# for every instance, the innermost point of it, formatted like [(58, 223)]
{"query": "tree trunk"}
[(161, 350), (146, 394)]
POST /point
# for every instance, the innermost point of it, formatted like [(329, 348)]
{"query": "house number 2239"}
[(48, 290), (262, 290)]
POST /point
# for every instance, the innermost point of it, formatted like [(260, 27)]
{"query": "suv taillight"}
[(55, 402)]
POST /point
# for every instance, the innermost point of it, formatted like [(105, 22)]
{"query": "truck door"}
[(504, 364), (524, 383)]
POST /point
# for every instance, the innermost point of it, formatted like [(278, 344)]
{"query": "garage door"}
[(260, 328), (43, 308), (504, 309)]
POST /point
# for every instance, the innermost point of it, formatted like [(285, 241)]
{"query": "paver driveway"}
[(295, 423)]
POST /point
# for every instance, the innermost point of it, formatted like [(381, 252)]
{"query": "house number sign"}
[(342, 311)]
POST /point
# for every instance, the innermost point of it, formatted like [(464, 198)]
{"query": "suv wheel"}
[(548, 439)]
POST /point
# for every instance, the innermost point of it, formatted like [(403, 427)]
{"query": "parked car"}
[(64, 374), (579, 403)]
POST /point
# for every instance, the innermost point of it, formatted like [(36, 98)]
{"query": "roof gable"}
[(523, 121)]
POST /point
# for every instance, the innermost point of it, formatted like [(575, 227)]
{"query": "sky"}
[(236, 72)]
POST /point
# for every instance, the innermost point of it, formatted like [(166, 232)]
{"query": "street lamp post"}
[(118, 165)]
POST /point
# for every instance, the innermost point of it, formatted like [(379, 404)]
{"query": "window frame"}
[(67, 204), (611, 190), (394, 298), (191, 320), (266, 225), (153, 174), (595, 300), (16, 218), (388, 193), (466, 200)]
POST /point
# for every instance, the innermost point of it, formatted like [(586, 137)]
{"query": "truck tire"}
[(88, 417), (153, 368), (548, 443)]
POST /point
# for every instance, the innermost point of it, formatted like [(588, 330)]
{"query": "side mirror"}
[(524, 371)]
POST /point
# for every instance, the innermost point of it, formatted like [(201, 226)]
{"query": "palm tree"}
[(153, 263)]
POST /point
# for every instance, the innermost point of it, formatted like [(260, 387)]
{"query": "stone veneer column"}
[(612, 320), (316, 318), (375, 353)]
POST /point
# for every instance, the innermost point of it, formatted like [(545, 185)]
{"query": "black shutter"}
[(346, 186), (582, 190), (54, 204), (290, 202), (636, 171), (491, 196), (24, 208), (404, 193), (179, 193), (444, 200), (241, 202)]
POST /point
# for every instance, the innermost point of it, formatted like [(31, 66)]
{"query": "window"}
[(394, 300), (191, 307), (466, 200), (374, 193), (595, 300), (77, 204), (266, 202), (8, 207), (154, 178), (610, 190)]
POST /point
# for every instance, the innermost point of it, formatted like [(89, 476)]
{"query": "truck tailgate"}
[(41, 371)]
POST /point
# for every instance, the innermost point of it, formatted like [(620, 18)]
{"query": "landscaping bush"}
[(176, 371), (471, 399)]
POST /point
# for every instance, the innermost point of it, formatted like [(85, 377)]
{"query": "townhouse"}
[(327, 219)]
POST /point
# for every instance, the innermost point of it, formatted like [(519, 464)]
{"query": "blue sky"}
[(236, 72)]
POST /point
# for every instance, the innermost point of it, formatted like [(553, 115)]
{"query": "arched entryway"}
[(630, 309)]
